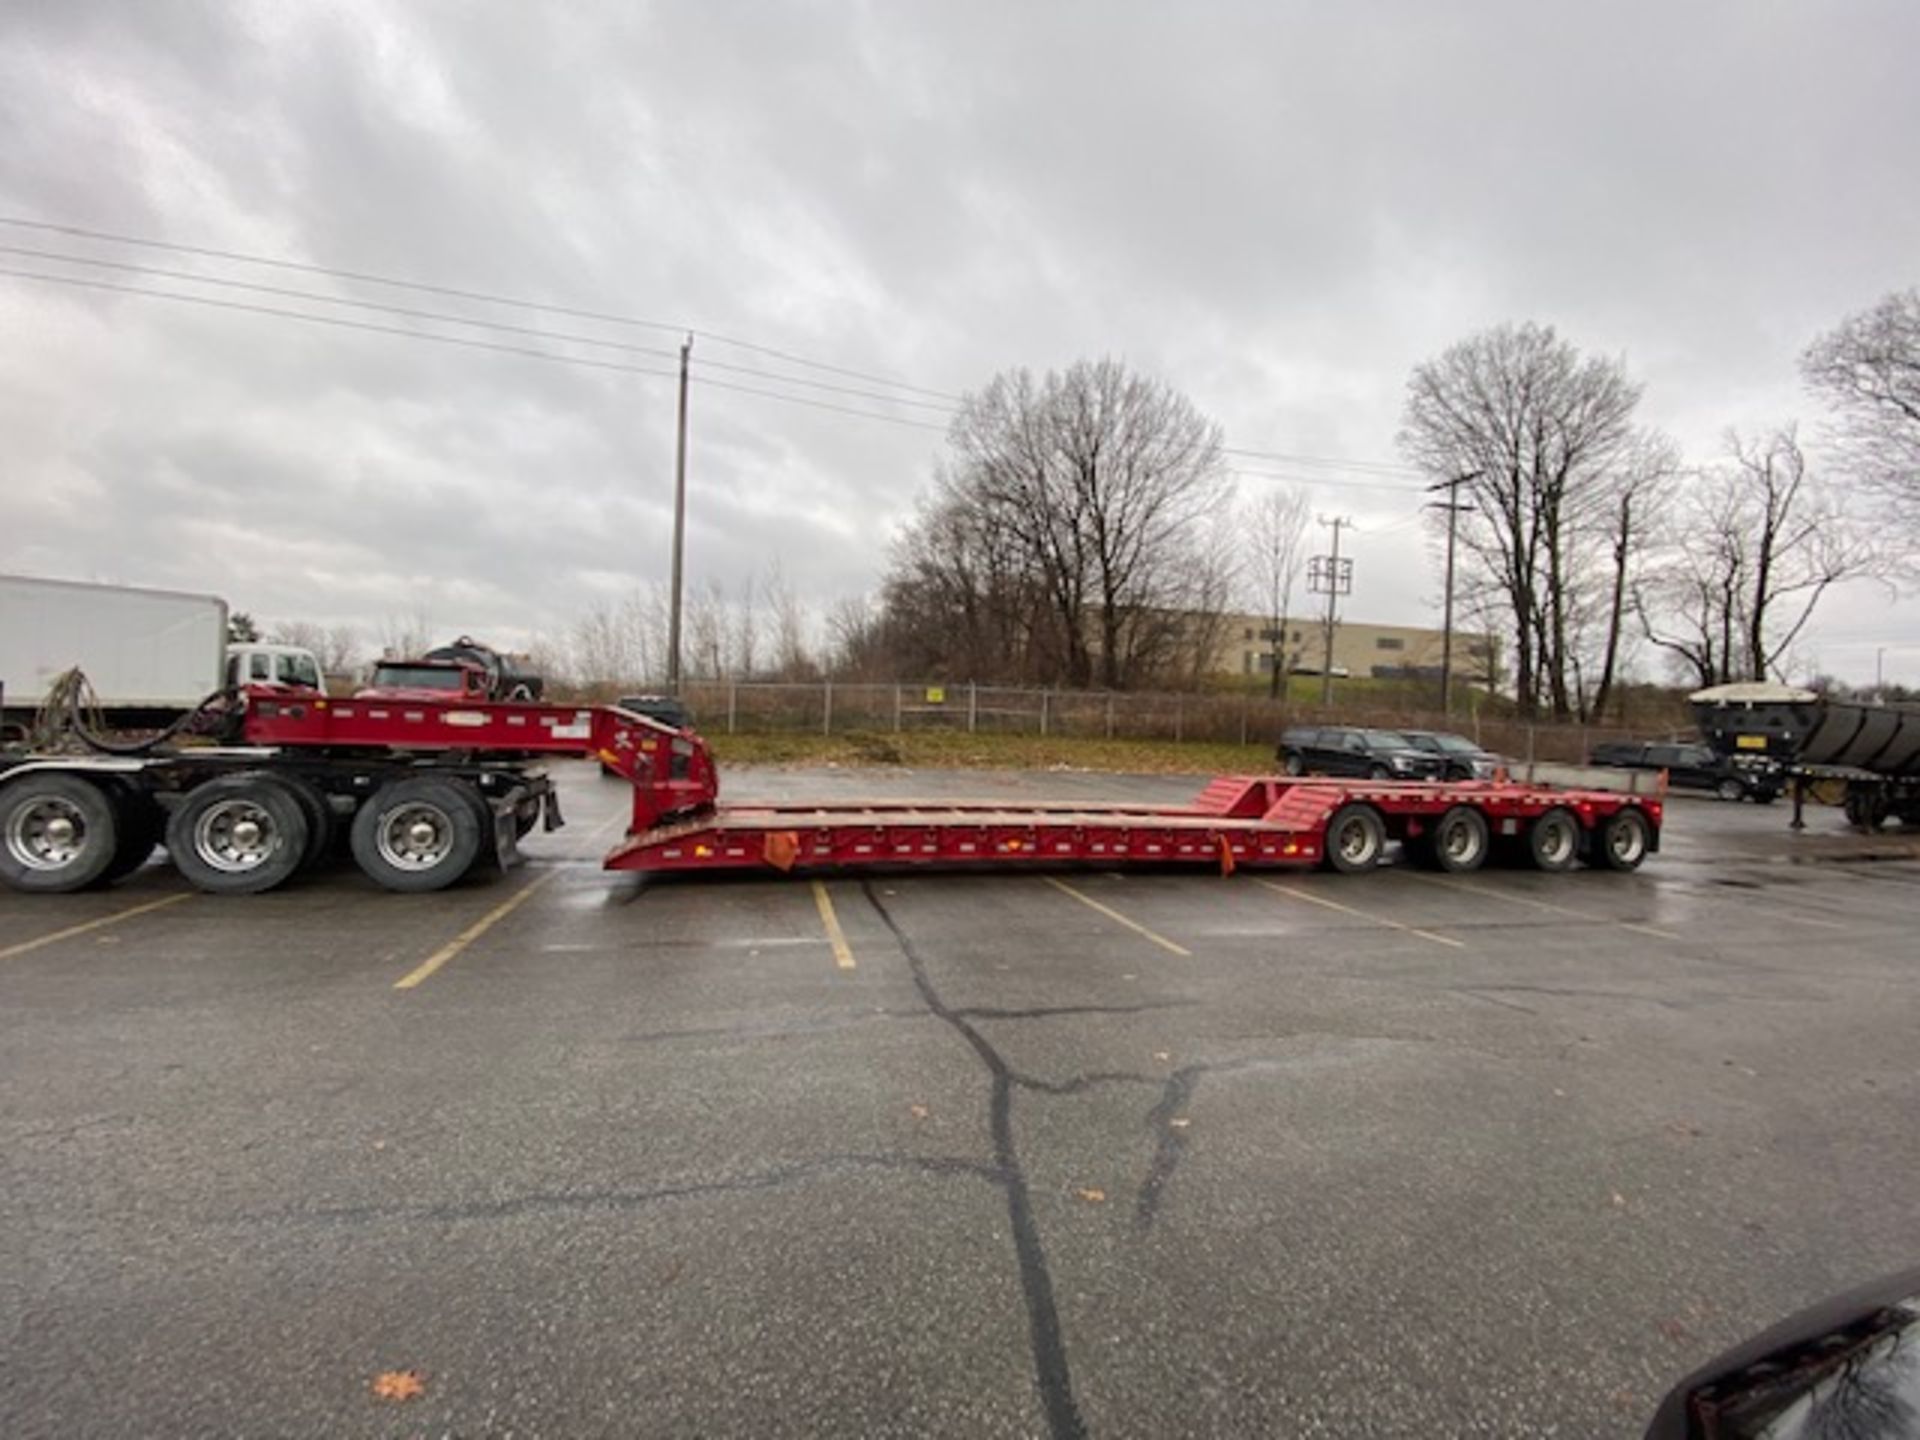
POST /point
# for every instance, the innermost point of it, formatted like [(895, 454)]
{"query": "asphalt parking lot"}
[(1001, 1154)]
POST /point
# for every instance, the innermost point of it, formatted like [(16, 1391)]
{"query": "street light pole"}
[(679, 526), (1453, 507)]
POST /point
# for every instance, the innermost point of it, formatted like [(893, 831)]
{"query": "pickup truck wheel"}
[(1553, 841), (57, 833), (1356, 839), (1730, 789), (1625, 838), (418, 834), (1459, 841), (1379, 772), (238, 835), (1293, 764)]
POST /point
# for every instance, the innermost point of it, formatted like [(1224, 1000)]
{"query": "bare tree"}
[(1634, 501), (746, 633), (1098, 477), (1758, 543), (791, 656), (405, 637), (1868, 369), (336, 647), (707, 637), (1540, 427), (1276, 532)]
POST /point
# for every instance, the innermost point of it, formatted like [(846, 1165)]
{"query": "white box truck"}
[(151, 655)]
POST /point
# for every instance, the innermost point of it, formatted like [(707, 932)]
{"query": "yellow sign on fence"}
[(936, 695)]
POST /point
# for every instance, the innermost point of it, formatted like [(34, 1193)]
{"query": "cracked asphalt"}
[(1281, 1154)]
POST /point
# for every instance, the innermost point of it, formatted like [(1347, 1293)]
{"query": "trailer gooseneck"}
[(424, 791)]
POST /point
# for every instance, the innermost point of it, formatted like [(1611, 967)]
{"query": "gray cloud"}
[(1280, 207)]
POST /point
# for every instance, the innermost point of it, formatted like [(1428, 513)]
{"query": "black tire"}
[(320, 818), (1379, 772), (1459, 841), (238, 835), (1553, 840), (57, 832), (1625, 838), (1730, 789), (142, 826), (1459, 772), (1293, 764), (417, 834), (1356, 839)]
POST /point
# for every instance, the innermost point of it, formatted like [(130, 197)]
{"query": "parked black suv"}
[(1696, 767), (1460, 758), (1341, 750)]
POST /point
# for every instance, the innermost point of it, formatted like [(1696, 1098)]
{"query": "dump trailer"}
[(425, 791), (1872, 751)]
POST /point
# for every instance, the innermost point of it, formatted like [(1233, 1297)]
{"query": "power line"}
[(1380, 467), (465, 342), (452, 292), (1346, 481), (441, 317)]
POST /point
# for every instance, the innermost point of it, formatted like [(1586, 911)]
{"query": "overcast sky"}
[(1280, 208)]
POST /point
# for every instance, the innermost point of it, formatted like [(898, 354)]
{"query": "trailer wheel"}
[(238, 835), (57, 832), (418, 834), (1625, 838), (1356, 839), (320, 819), (141, 824), (1459, 841), (1553, 841)]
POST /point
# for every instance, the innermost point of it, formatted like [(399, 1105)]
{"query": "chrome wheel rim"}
[(1627, 842), (47, 832), (1356, 841), (1461, 842), (1556, 841), (415, 836), (235, 836)]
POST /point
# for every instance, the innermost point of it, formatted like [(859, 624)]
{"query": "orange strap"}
[(1226, 857)]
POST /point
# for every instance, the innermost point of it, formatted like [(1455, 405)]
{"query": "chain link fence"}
[(830, 708)]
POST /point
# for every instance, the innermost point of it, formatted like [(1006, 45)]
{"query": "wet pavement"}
[(1084, 1152)]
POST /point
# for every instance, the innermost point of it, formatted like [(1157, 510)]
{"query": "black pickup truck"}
[(1697, 767)]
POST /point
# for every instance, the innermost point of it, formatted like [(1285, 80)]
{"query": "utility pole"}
[(1331, 575), (679, 526), (1453, 507)]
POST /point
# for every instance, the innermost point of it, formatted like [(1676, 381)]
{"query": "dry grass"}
[(945, 750)]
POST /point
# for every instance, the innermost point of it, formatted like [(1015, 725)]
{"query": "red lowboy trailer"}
[(426, 790)]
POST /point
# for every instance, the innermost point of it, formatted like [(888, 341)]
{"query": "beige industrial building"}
[(1247, 647)]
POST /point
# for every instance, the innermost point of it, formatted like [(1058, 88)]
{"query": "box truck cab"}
[(257, 663)]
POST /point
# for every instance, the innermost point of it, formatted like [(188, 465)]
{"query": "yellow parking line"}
[(425, 969), (473, 932), (836, 937), (1454, 882), (114, 919), (1312, 899), (1116, 916)]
